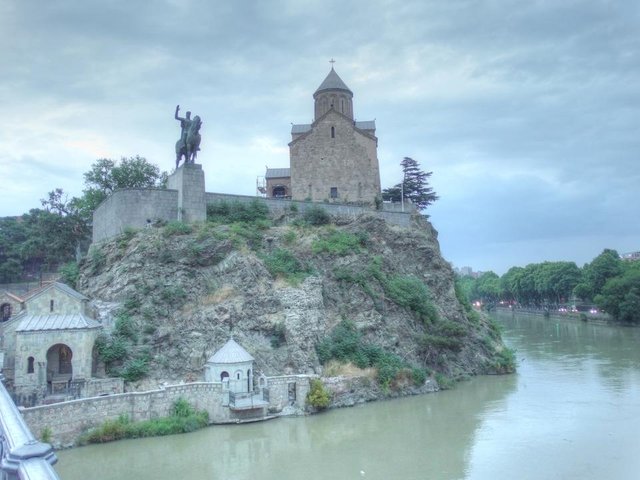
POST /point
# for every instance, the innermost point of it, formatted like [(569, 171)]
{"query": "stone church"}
[(333, 159), (47, 341)]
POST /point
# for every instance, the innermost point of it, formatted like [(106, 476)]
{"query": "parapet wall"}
[(281, 206), (186, 200), (67, 420), (133, 208)]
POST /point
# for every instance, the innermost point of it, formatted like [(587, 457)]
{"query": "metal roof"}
[(366, 125), (301, 128), (69, 321), (278, 173), (333, 82), (231, 352)]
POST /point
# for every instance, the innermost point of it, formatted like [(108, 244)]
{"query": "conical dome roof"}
[(231, 352), (332, 82)]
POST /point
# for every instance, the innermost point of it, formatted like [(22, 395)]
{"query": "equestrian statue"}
[(189, 143)]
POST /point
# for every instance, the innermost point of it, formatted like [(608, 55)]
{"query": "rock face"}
[(185, 290)]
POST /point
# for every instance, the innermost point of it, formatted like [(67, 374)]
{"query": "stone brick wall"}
[(188, 180), (67, 420), (41, 304), (134, 208), (288, 391), (282, 206), (346, 160)]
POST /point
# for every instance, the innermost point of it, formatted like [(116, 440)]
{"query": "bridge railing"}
[(22, 457)]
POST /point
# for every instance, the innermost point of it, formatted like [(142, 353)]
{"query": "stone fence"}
[(67, 420)]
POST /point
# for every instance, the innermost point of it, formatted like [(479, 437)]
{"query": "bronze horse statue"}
[(188, 147)]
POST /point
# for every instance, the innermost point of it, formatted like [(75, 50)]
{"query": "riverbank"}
[(597, 318)]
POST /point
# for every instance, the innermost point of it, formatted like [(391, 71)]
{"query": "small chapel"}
[(333, 159)]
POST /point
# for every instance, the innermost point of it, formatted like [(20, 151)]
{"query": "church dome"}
[(231, 352), (332, 82), (333, 94)]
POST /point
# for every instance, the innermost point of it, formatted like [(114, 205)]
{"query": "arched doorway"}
[(59, 359), (59, 367), (279, 191)]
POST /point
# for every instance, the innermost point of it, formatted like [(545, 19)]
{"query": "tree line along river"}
[(571, 411)]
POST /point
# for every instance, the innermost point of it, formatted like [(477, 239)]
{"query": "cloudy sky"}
[(527, 112)]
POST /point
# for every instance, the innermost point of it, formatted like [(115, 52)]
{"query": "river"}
[(571, 412)]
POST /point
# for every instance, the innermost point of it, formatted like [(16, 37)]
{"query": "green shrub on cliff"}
[(345, 344), (318, 396), (282, 263), (231, 212), (338, 243)]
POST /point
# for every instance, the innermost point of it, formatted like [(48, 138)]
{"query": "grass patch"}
[(183, 419), (176, 228), (232, 212), (334, 368), (284, 264), (338, 243)]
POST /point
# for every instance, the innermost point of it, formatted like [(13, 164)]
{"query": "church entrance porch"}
[(59, 369)]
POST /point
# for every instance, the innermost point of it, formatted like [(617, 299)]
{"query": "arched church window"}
[(30, 361), (333, 132), (51, 305)]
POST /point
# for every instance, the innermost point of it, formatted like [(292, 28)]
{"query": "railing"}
[(245, 399), (22, 457)]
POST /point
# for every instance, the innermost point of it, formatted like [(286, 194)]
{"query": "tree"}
[(489, 288), (595, 274), (53, 235), (620, 296), (106, 176), (415, 186)]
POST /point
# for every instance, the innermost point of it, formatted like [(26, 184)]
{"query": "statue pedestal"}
[(188, 180)]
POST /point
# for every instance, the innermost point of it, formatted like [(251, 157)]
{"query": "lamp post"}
[(404, 177)]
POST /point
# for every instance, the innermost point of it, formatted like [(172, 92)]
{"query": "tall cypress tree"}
[(415, 186)]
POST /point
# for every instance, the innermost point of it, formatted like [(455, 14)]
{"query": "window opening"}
[(5, 312), (333, 132), (51, 305), (334, 192), (30, 361)]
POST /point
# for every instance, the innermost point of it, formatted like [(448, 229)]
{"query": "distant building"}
[(335, 158), (630, 257)]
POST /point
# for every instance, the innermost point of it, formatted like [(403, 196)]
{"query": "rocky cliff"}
[(171, 295)]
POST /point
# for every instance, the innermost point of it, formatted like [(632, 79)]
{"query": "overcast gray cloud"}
[(526, 112)]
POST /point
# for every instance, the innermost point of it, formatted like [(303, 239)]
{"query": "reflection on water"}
[(572, 411)]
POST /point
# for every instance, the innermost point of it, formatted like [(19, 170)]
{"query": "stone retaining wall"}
[(67, 420), (282, 206), (133, 208)]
